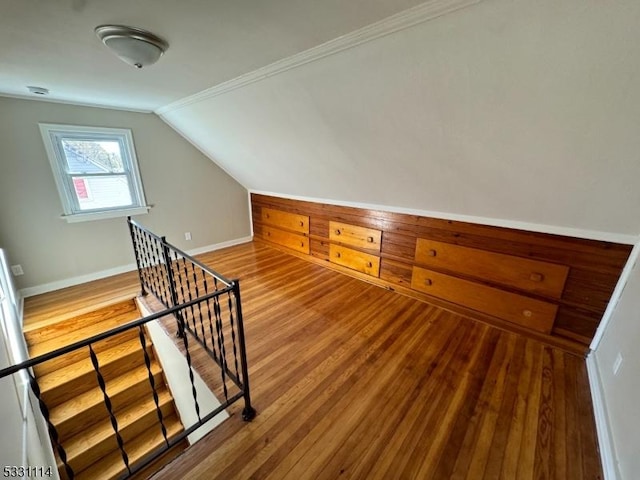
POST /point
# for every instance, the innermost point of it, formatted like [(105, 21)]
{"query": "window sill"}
[(87, 217)]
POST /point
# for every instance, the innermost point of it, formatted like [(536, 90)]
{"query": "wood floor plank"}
[(353, 381)]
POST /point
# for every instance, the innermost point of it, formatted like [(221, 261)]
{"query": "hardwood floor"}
[(354, 381)]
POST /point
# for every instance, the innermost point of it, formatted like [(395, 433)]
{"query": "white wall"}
[(508, 109), (188, 193), (621, 392), (24, 440)]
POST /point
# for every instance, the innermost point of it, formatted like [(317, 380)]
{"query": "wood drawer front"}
[(362, 237), (525, 311), (290, 221), (286, 239), (362, 262), (534, 276)]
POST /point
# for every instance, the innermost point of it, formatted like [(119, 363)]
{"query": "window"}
[(95, 170)]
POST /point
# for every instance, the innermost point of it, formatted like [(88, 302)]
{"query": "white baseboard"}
[(607, 450), (220, 246), (615, 296), (69, 282)]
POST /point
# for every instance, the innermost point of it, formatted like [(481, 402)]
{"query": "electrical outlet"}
[(187, 235), (17, 270), (617, 364)]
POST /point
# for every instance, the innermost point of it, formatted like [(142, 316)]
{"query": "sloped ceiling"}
[(503, 111), (515, 110)]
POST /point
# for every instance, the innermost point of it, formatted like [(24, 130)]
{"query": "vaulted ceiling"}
[(507, 112)]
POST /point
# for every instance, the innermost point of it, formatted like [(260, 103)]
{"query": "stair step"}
[(78, 377), (98, 441), (77, 355), (50, 328), (111, 466), (87, 408), (71, 336)]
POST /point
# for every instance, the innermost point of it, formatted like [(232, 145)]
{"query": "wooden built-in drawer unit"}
[(290, 240), (361, 237), (543, 278), (549, 287), (290, 221), (360, 261), (524, 311)]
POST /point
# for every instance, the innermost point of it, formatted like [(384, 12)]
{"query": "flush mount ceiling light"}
[(132, 45)]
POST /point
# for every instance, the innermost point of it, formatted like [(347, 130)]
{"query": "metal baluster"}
[(153, 273), (206, 292), (136, 253), (147, 262), (188, 288), (248, 413), (107, 403), (223, 354), (191, 376), (53, 433), (195, 285), (172, 286), (147, 362), (185, 296), (166, 281), (233, 334), (158, 277)]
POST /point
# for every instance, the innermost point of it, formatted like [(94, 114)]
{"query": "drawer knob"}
[(338, 232), (266, 215), (428, 282), (370, 239), (338, 255), (302, 244), (536, 277), (301, 223), (527, 313), (268, 234), (432, 253), (369, 264)]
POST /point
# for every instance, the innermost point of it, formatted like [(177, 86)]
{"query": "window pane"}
[(92, 156), (102, 192)]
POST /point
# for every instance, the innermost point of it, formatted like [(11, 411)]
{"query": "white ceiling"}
[(50, 43), (511, 112)]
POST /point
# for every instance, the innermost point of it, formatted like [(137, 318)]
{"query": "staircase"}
[(75, 401)]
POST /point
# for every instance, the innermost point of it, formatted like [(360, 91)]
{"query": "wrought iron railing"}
[(207, 308), (215, 323)]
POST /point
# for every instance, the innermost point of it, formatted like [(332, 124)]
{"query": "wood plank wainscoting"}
[(548, 287)]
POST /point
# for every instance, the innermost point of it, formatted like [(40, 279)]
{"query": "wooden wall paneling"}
[(594, 266), (319, 249), (395, 272)]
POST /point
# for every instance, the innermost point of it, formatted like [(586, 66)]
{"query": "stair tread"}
[(112, 465), (92, 397), (76, 335), (52, 325), (102, 431), (63, 375)]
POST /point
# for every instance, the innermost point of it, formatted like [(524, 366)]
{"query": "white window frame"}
[(52, 134)]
